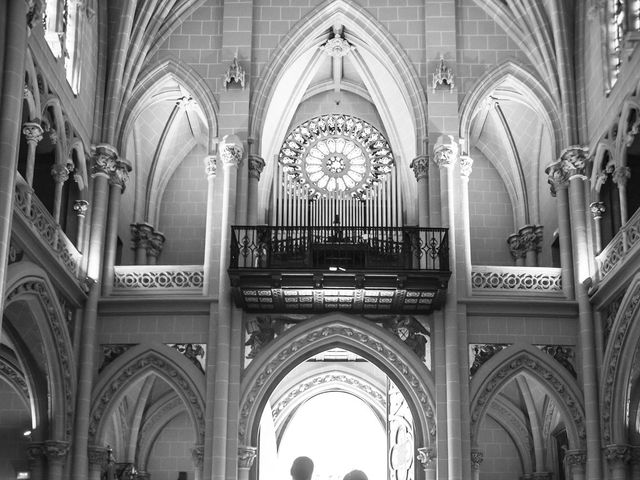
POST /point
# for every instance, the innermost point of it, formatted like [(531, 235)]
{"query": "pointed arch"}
[(357, 335), (28, 283), (559, 385), (618, 362), (137, 363)]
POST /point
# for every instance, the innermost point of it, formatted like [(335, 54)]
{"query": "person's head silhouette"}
[(356, 475), (302, 468)]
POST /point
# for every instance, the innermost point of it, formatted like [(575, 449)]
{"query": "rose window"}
[(336, 155)]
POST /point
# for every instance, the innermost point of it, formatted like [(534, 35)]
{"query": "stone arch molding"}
[(618, 364), (505, 365), (28, 282), (357, 335), (135, 364)]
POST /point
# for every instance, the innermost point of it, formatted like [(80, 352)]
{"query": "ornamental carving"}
[(15, 253), (617, 454), (32, 132), (197, 456), (60, 173), (246, 456), (564, 355), (420, 167), (479, 353), (411, 332), (466, 164), (426, 456), (531, 237), (235, 74), (35, 453), (337, 47), (14, 376), (621, 175), (524, 361), (210, 165), (597, 210), (514, 279), (112, 351), (261, 331), (575, 458), (476, 459), (196, 353), (558, 177), (256, 165), (443, 76), (574, 159), (150, 360), (56, 450), (62, 343), (231, 153), (119, 176), (97, 456), (445, 151), (517, 248), (81, 207), (104, 158), (155, 244)]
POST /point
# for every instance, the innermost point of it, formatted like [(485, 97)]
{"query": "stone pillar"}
[(573, 162), (574, 464), (209, 242), (466, 164), (426, 457), (97, 461), (117, 182), (559, 181), (56, 452), (154, 247), (140, 234), (35, 455), (197, 456), (80, 207), (618, 458), (60, 174), (529, 240), (621, 176), (246, 456), (256, 165), (105, 161), (597, 211), (13, 41), (445, 154), (476, 459), (33, 134), (420, 167)]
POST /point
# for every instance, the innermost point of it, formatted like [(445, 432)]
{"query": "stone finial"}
[(445, 151), (104, 158), (256, 166), (231, 150), (621, 175), (80, 207), (420, 167), (597, 210), (476, 459), (246, 456), (210, 165), (32, 132), (466, 164), (426, 456)]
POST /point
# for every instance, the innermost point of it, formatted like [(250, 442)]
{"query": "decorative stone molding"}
[(563, 354), (145, 236), (558, 177), (15, 253), (210, 165), (574, 159), (597, 210), (420, 167), (617, 455), (246, 456), (261, 331), (476, 459), (235, 74), (104, 158), (14, 376), (531, 237), (445, 151), (32, 132), (186, 103), (197, 456), (516, 280), (479, 353), (337, 47), (56, 450), (111, 351), (621, 175), (80, 207), (160, 278), (621, 246), (426, 456), (60, 173), (442, 77), (119, 176), (256, 165), (155, 244), (196, 353), (231, 151), (466, 164), (97, 457), (575, 458), (517, 247)]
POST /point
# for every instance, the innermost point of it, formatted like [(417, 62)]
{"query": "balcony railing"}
[(516, 280), (624, 242), (158, 279), (339, 248)]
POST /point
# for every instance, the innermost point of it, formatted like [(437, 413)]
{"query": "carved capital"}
[(32, 132), (601, 179), (476, 459), (621, 175), (635, 455), (80, 207), (197, 456), (35, 453), (531, 237), (97, 456), (231, 151), (445, 151), (256, 165), (119, 176), (420, 167), (56, 449), (210, 165), (542, 475), (617, 455), (575, 458), (52, 133), (246, 456), (104, 158), (575, 159), (558, 177), (426, 456), (140, 235), (516, 246), (155, 244), (466, 164), (60, 173), (597, 210), (337, 46)]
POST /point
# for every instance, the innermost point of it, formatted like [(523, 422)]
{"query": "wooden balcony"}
[(328, 268)]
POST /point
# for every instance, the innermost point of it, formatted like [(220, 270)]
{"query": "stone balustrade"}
[(158, 279), (535, 281), (623, 244)]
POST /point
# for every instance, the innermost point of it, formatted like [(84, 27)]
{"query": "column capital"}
[(635, 455), (617, 455), (210, 165), (32, 132), (466, 164), (531, 237), (426, 456), (575, 159), (558, 177), (575, 458), (621, 175), (445, 151), (104, 158), (119, 176), (256, 166), (246, 456), (597, 210), (97, 456), (81, 207), (60, 172), (516, 246), (420, 167), (35, 452), (140, 235), (155, 244), (542, 475), (231, 151), (56, 449), (476, 459), (197, 456)]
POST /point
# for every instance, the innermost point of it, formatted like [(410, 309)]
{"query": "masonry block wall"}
[(501, 459), (15, 420), (171, 452)]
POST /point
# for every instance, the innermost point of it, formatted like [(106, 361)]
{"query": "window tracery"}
[(623, 19)]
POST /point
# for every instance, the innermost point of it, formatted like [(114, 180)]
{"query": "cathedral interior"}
[(399, 236)]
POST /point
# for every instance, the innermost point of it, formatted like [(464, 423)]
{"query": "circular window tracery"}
[(336, 155)]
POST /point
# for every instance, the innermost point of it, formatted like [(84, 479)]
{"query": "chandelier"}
[(336, 156)]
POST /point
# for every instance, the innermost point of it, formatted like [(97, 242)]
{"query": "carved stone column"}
[(197, 456), (246, 457), (256, 165), (574, 464), (97, 461), (420, 167), (36, 456), (118, 179), (427, 458), (621, 176), (80, 207), (517, 249), (531, 237), (445, 154), (33, 134), (60, 174), (56, 452), (140, 237), (476, 459), (154, 248), (618, 458), (597, 211), (466, 166), (210, 167)]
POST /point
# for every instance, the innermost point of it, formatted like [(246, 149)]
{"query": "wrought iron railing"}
[(339, 248)]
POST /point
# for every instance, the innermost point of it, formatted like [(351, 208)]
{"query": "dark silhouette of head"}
[(356, 475), (302, 468)]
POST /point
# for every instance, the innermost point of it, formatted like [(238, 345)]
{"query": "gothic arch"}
[(357, 335), (618, 363), (137, 363), (27, 283), (505, 365)]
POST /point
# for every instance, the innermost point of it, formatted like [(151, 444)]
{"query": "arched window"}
[(623, 32)]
